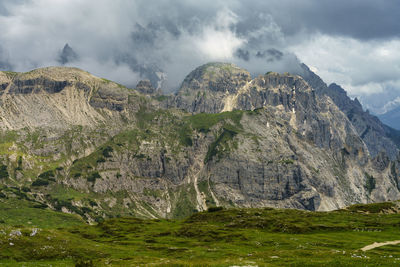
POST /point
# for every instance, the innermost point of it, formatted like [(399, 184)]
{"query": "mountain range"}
[(77, 143), (391, 118)]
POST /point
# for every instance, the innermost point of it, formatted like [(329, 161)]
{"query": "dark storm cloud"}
[(243, 54), (361, 19), (270, 55)]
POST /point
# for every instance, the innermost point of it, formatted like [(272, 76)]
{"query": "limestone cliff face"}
[(314, 117), (205, 88), (58, 97), (223, 139), (377, 136)]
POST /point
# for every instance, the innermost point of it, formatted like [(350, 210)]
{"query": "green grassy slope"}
[(263, 237)]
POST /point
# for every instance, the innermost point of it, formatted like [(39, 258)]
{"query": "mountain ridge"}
[(377, 136), (224, 139)]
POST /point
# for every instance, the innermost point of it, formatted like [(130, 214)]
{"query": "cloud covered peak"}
[(352, 43)]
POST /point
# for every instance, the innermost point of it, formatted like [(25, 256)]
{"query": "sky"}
[(354, 43)]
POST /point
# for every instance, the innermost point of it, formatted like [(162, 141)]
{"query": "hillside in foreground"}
[(240, 237)]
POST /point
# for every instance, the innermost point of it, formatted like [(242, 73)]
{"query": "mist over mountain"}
[(354, 44), (67, 55), (391, 118)]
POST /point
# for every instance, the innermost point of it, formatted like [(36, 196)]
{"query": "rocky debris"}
[(15, 233), (205, 88), (145, 87), (34, 232)]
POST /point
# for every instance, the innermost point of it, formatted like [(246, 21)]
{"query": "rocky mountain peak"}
[(218, 87), (67, 55), (219, 77)]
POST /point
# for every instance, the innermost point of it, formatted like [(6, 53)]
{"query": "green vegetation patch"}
[(185, 197), (286, 161), (221, 145), (373, 208), (3, 172), (10, 74), (204, 187), (45, 178), (93, 176), (40, 182), (7, 138), (369, 183), (204, 121), (19, 163), (86, 165), (107, 151), (25, 213), (48, 175), (160, 97), (145, 116)]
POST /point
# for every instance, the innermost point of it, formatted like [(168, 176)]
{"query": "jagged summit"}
[(217, 87), (67, 55), (377, 136)]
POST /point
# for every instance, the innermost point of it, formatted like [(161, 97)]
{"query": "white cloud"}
[(390, 105), (363, 67), (369, 70), (217, 40)]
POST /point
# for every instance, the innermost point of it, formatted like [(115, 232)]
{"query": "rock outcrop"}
[(377, 136), (205, 88), (67, 55), (58, 97), (145, 87)]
